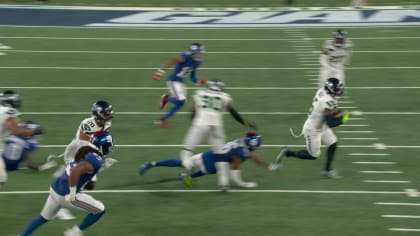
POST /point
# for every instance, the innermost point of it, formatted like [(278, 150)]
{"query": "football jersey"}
[(320, 102), (209, 107), (338, 56), (61, 184), (5, 113), (16, 148), (181, 70), (236, 147), (88, 126)]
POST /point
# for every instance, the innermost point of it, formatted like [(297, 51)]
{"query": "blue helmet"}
[(103, 141), (11, 99), (252, 141), (196, 48)]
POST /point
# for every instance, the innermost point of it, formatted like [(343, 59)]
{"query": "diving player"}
[(186, 63), (65, 191), (236, 152)]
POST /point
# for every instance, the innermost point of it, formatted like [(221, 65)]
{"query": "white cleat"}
[(75, 231), (282, 155), (64, 214), (331, 174)]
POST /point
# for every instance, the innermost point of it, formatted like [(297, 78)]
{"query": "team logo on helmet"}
[(102, 111), (252, 141), (334, 87), (11, 99), (103, 141)]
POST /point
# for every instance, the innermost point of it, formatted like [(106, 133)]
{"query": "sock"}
[(330, 156), (89, 220), (303, 154), (223, 173), (169, 163), (197, 174), (33, 225), (178, 104)]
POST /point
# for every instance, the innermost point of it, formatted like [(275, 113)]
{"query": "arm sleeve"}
[(193, 77), (331, 122), (236, 115)]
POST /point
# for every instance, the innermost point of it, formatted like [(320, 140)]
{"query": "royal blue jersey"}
[(181, 70), (234, 148), (61, 184), (15, 149)]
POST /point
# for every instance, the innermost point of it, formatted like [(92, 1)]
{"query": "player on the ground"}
[(208, 107), (186, 63), (9, 124), (19, 149), (323, 116), (65, 191), (336, 55), (236, 152)]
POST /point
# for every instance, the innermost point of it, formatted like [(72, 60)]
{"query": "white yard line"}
[(381, 172), (369, 154), (375, 162), (401, 216), (355, 132), (404, 229), (264, 145), (354, 125), (208, 68), (358, 138), (397, 204), (211, 190), (388, 181)]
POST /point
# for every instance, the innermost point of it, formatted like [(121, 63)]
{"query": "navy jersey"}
[(181, 70), (61, 184), (236, 147), (15, 149)]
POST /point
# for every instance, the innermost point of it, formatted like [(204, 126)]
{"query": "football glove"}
[(109, 162), (47, 165), (158, 74), (201, 82), (38, 131), (273, 166), (346, 116), (251, 125), (72, 194)]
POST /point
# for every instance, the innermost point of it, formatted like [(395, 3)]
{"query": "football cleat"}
[(75, 231), (143, 168), (282, 155), (161, 123), (331, 174), (163, 101)]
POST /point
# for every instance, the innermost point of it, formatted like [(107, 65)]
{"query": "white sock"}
[(223, 173)]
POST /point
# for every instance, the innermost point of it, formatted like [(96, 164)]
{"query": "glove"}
[(47, 165), (72, 194), (201, 82), (273, 167), (248, 185), (109, 162), (158, 74), (346, 116)]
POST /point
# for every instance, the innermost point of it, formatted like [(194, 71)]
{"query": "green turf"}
[(128, 88)]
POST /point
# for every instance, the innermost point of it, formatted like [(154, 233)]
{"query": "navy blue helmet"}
[(103, 141), (102, 111), (10, 98), (334, 87)]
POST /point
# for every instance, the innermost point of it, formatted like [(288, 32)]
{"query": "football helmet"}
[(334, 87), (339, 37), (215, 85), (196, 48), (102, 111), (252, 141), (11, 99), (103, 141)]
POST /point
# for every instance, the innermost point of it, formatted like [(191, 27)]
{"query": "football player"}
[(19, 149), (186, 63), (65, 191), (9, 124), (323, 116), (335, 57), (208, 105), (236, 152)]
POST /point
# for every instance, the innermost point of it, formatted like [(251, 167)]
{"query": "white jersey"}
[(5, 113), (209, 107), (337, 57), (321, 101), (89, 127)]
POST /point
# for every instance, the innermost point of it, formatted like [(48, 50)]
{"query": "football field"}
[(271, 74)]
